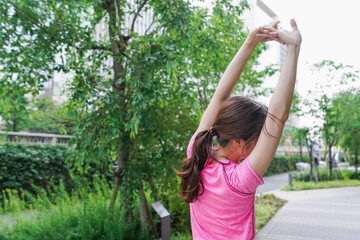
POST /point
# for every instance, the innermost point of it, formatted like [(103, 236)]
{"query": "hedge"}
[(280, 163), (27, 167)]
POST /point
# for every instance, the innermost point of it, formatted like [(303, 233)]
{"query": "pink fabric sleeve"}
[(190, 146), (243, 177)]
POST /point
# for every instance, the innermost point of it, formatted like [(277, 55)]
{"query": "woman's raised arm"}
[(280, 103), (232, 74)]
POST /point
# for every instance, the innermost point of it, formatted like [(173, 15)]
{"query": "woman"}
[(221, 192)]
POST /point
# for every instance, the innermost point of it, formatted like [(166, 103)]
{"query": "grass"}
[(84, 215), (57, 215), (299, 185), (265, 208)]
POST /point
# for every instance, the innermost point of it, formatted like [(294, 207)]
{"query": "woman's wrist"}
[(293, 47), (251, 43)]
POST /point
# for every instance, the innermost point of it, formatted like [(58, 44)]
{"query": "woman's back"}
[(226, 208)]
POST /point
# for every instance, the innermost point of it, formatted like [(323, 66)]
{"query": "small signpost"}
[(165, 220)]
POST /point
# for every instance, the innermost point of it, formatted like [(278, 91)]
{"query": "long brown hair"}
[(238, 118)]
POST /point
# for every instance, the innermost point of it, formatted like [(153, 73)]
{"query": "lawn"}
[(300, 185)]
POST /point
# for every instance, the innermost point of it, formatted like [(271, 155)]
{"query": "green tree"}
[(14, 109), (331, 126), (142, 112), (46, 116), (336, 78), (349, 131), (300, 138)]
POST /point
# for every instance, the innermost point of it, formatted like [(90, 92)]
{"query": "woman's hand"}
[(261, 34), (292, 38)]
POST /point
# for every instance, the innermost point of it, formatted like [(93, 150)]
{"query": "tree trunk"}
[(114, 195), (301, 157), (14, 125), (309, 147), (311, 162), (330, 162), (325, 153), (117, 48), (118, 171), (356, 161), (143, 212), (153, 188)]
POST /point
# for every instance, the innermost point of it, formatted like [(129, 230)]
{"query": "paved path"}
[(331, 214), (273, 182)]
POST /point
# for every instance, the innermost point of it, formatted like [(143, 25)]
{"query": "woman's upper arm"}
[(265, 148), (209, 115)]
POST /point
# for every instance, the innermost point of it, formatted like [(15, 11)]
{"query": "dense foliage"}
[(280, 163), (29, 167), (57, 215), (323, 175)]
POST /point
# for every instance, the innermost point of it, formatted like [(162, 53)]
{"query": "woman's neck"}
[(227, 152)]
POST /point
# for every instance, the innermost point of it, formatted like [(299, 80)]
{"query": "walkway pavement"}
[(331, 214), (274, 182)]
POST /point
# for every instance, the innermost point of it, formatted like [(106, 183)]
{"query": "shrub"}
[(83, 215), (280, 163), (323, 175), (296, 185), (27, 167)]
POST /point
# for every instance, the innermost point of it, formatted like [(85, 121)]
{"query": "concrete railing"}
[(282, 150), (34, 138)]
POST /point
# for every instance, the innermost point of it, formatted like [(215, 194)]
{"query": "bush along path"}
[(345, 178)]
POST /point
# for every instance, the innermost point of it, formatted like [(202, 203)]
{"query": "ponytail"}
[(191, 183), (238, 118)]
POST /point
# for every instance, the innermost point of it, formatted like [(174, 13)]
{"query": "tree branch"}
[(137, 14), (149, 26), (99, 47)]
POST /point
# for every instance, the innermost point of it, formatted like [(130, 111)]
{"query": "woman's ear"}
[(239, 143)]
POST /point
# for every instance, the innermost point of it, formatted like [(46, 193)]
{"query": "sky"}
[(330, 31)]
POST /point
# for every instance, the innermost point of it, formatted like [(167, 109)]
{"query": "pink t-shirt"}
[(226, 209)]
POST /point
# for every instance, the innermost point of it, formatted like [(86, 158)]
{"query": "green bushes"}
[(323, 175), (296, 185), (29, 166), (82, 215), (24, 165), (344, 178), (280, 163)]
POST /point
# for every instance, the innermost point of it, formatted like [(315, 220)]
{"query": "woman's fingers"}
[(270, 29), (272, 39), (293, 25), (267, 34), (275, 24)]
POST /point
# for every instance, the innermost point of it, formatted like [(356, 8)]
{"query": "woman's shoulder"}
[(242, 176)]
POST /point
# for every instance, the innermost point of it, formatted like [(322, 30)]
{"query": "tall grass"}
[(55, 214)]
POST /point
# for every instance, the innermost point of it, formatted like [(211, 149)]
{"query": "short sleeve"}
[(243, 178), (190, 146)]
